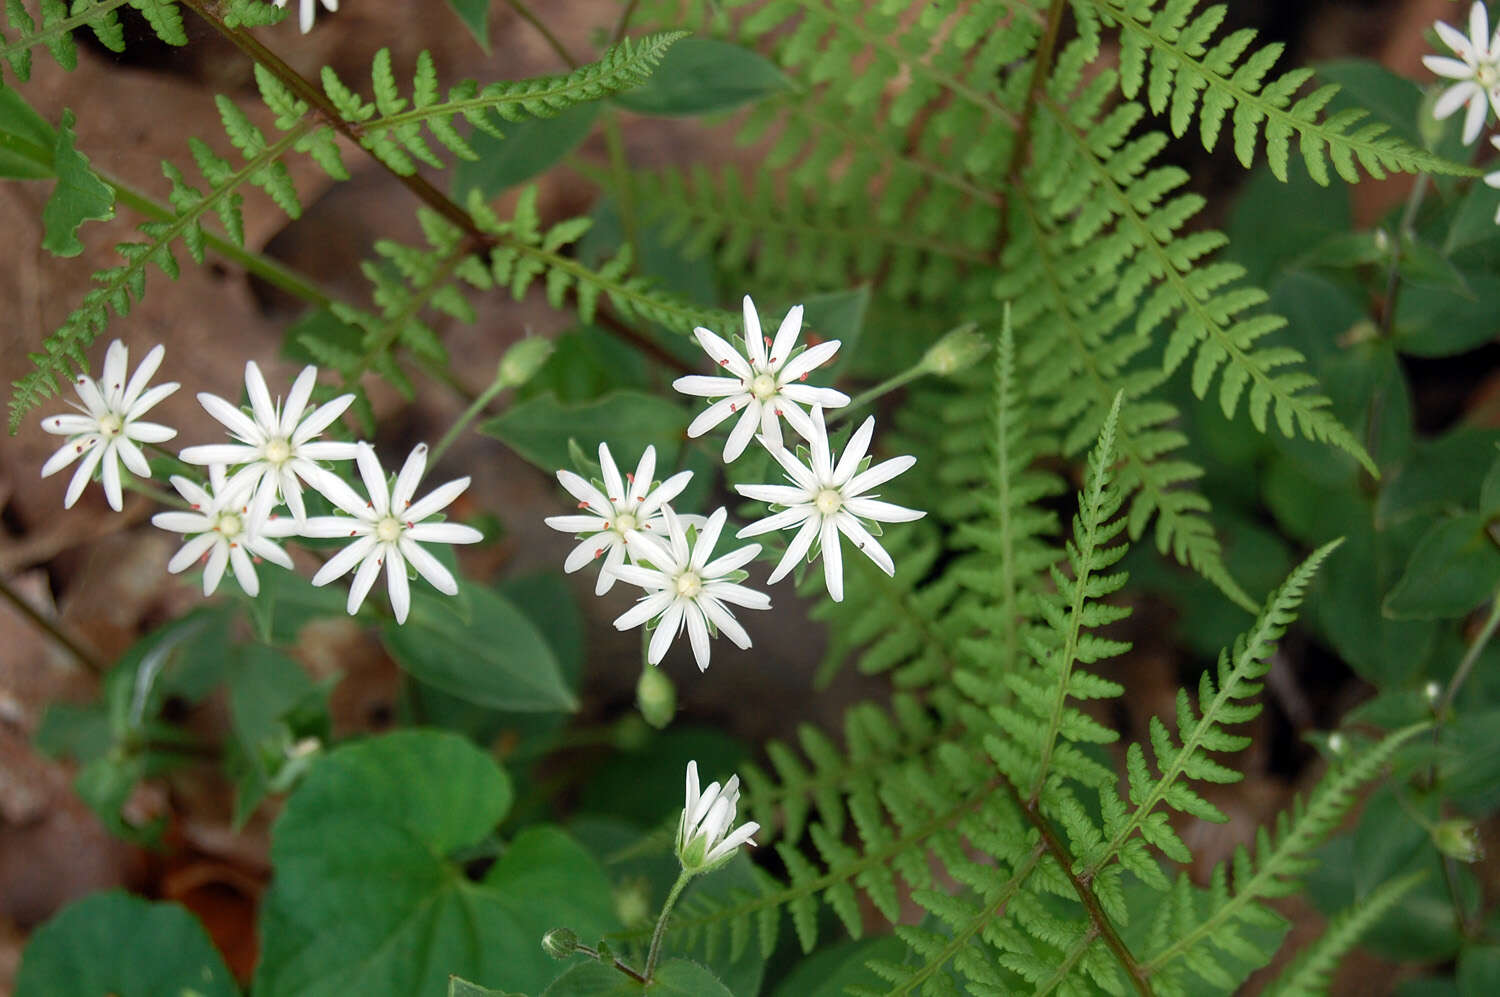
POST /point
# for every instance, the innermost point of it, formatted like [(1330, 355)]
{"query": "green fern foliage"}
[(1310, 973), (392, 131), (1044, 730), (59, 20), (1165, 50), (1188, 930), (1223, 699)]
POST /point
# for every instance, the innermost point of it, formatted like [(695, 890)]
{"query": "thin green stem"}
[(469, 415), (1465, 666), (269, 270), (623, 25), (880, 390), (526, 14), (658, 936), (627, 970), (159, 495), (85, 655)]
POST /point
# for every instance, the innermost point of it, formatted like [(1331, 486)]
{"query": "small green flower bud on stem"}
[(1458, 838), (957, 350), (560, 943), (656, 696)]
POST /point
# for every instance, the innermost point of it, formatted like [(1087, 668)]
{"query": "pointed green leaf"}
[(79, 196)]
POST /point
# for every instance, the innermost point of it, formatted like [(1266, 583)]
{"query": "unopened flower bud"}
[(656, 696), (1336, 743), (1458, 838), (1433, 692), (560, 943), (523, 360), (632, 900), (955, 351)]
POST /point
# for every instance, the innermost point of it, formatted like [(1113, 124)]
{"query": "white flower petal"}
[(65, 455), (585, 493), (797, 549), (588, 549), (219, 453), (865, 541), (265, 549), (577, 524), (148, 400), (717, 413), (738, 595), (396, 586), (614, 485), (373, 475), (645, 471), (755, 347), (647, 608), (244, 570), (429, 567), (82, 475), (876, 475), (666, 632), (143, 374), (435, 501), (882, 512), (707, 537), (218, 560), (69, 424), (634, 574), (705, 386), (192, 549), (806, 395), (296, 400), (833, 559), (613, 562), (739, 437), (782, 520), (663, 493), (786, 338), (320, 419), (809, 360), (116, 363), (697, 628), (364, 578), (723, 354), (444, 533), (237, 422), (339, 564), (732, 561), (822, 461), (725, 621), (854, 452)]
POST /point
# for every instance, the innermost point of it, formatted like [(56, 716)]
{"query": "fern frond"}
[(1185, 933), (1041, 728), (1230, 702), (1308, 975), (1165, 49), (832, 781), (391, 127), (797, 239), (1057, 297), (1099, 178), (60, 20), (118, 288)]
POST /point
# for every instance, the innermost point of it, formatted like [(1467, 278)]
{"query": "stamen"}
[(722, 363)]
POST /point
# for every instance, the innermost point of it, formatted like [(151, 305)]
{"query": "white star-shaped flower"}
[(685, 589), (763, 388), (704, 838), (107, 429), (1477, 70), (310, 10), (278, 445), (623, 507), (218, 529), (389, 530), (826, 500)]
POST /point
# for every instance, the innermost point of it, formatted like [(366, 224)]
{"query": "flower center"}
[(229, 525), (1487, 74), (689, 584), (111, 425), (828, 501), (277, 451), (763, 387), (625, 522), (388, 530)]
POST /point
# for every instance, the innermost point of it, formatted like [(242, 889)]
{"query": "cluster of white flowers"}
[(232, 522), (632, 521), (1476, 76)]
